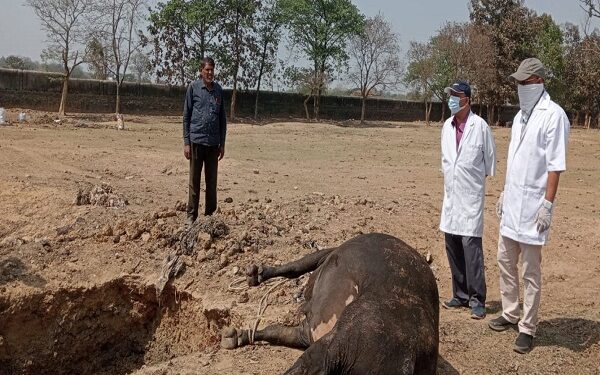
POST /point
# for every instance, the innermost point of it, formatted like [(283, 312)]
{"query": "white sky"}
[(20, 32)]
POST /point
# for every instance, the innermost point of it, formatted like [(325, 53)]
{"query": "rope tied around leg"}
[(263, 304)]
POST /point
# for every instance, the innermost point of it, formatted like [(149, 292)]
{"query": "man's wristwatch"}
[(547, 204)]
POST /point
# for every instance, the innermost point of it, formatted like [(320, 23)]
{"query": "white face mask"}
[(529, 95)]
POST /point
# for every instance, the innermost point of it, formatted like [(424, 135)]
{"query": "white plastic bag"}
[(22, 117), (2, 115)]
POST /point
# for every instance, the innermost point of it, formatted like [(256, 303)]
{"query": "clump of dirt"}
[(113, 328), (101, 195)]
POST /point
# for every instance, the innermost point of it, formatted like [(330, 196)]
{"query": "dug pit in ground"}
[(113, 328)]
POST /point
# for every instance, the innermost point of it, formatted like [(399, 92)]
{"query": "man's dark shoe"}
[(523, 344), (478, 312), (500, 324), (454, 304)]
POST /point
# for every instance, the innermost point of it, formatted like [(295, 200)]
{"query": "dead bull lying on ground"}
[(371, 308)]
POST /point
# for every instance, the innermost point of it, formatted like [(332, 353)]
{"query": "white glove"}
[(499, 205), (544, 216)]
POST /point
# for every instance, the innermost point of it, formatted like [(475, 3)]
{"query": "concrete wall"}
[(41, 91)]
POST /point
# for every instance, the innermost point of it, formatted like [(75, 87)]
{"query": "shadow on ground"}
[(493, 307), (13, 269), (445, 368), (576, 334)]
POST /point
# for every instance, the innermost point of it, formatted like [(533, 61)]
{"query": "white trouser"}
[(508, 259)]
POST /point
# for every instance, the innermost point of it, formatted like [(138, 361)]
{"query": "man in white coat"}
[(468, 156), (536, 157)]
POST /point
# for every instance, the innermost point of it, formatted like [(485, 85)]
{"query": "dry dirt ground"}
[(89, 213)]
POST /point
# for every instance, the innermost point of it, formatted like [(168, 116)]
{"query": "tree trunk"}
[(256, 99), (263, 57), (118, 101), (588, 120), (490, 114), (576, 118), (63, 97), (443, 113), (428, 106), (306, 107), (233, 99), (260, 73), (182, 72), (363, 110), (316, 100)]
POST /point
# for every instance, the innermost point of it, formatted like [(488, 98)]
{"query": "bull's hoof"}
[(230, 338), (252, 275)]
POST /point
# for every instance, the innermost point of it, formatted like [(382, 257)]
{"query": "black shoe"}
[(500, 324), (454, 303), (523, 343)]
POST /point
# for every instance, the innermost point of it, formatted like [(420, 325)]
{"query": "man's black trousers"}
[(465, 255), (207, 157)]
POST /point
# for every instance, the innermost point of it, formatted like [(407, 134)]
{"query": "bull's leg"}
[(293, 337), (258, 274)]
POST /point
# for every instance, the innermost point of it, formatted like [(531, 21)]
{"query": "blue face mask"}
[(454, 104)]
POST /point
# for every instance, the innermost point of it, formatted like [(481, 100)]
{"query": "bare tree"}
[(421, 73), (66, 29), (376, 58), (119, 19), (592, 7), (306, 81), (141, 66)]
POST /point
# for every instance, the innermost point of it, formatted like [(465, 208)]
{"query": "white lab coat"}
[(540, 149), (464, 171)]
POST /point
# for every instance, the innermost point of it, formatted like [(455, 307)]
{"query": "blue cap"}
[(459, 86)]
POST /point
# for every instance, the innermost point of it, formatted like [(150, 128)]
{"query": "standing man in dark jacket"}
[(204, 130)]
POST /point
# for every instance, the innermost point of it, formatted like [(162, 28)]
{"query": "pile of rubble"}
[(102, 195)]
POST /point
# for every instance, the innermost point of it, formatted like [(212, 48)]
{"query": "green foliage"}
[(18, 62), (25, 63), (263, 51), (96, 59), (512, 28), (267, 34), (235, 40), (583, 74), (320, 29), (181, 34), (548, 46), (429, 69)]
